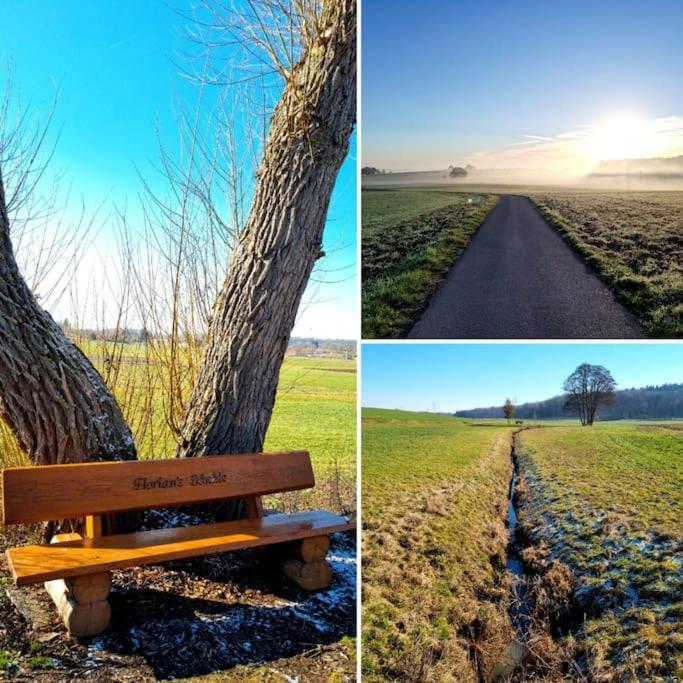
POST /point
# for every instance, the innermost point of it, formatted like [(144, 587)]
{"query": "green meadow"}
[(384, 208), (434, 496), (410, 239), (600, 540), (606, 501)]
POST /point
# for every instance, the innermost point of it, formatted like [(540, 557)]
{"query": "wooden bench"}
[(77, 569)]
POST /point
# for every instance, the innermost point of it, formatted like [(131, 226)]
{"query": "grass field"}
[(607, 502), (434, 498), (600, 541), (410, 240), (634, 241), (384, 208), (315, 410)]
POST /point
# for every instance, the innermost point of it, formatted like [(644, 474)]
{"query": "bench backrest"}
[(51, 492)]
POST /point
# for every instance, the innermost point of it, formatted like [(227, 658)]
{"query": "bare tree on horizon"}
[(589, 387)]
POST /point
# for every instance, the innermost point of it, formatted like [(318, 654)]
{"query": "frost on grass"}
[(627, 607), (633, 242)]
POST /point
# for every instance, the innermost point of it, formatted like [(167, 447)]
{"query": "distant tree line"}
[(298, 346), (647, 403)]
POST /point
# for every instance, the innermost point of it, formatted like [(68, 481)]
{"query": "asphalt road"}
[(517, 279)]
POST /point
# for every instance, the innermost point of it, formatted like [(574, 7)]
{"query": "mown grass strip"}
[(404, 262), (635, 245)]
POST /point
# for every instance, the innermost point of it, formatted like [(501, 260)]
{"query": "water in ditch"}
[(519, 614), (516, 651)]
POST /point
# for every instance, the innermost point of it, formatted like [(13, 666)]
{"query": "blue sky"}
[(450, 377), (449, 80), (112, 62)]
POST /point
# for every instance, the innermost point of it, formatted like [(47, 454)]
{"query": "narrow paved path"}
[(518, 279)]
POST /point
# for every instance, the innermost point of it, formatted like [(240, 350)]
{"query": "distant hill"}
[(660, 167), (648, 403)]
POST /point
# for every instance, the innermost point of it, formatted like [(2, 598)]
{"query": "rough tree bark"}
[(51, 396), (255, 310)]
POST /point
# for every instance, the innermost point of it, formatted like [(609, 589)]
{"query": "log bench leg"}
[(305, 563), (82, 603)]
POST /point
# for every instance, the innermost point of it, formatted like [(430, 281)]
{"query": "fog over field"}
[(634, 175), (620, 151)]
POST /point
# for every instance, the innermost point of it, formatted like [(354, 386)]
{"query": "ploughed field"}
[(607, 503), (634, 241), (590, 588), (410, 239), (434, 540)]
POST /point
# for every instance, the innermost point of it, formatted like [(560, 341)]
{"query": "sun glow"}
[(622, 137)]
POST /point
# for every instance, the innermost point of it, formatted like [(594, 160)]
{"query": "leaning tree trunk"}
[(255, 310), (51, 396)]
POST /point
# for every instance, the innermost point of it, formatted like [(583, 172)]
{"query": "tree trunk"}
[(255, 310), (51, 396)]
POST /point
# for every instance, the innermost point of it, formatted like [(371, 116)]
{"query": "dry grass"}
[(434, 542), (634, 240)]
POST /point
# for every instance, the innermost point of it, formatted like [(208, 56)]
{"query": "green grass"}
[(434, 495), (607, 502), (604, 501), (40, 662), (7, 660), (315, 410), (406, 251), (634, 241), (384, 208)]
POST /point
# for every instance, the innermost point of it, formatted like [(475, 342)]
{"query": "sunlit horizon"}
[(533, 85), (615, 136)]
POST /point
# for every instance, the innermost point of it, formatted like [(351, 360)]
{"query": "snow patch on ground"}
[(213, 634)]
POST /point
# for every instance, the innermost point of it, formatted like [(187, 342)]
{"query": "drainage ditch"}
[(518, 610)]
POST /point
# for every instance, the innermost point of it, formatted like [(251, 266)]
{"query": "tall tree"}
[(254, 314), (51, 397), (508, 409), (588, 387)]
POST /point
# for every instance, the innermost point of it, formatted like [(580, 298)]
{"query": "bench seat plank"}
[(38, 563)]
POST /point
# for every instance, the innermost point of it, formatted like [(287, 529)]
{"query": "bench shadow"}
[(214, 613)]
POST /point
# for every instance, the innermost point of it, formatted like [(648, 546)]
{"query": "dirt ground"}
[(227, 617)]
